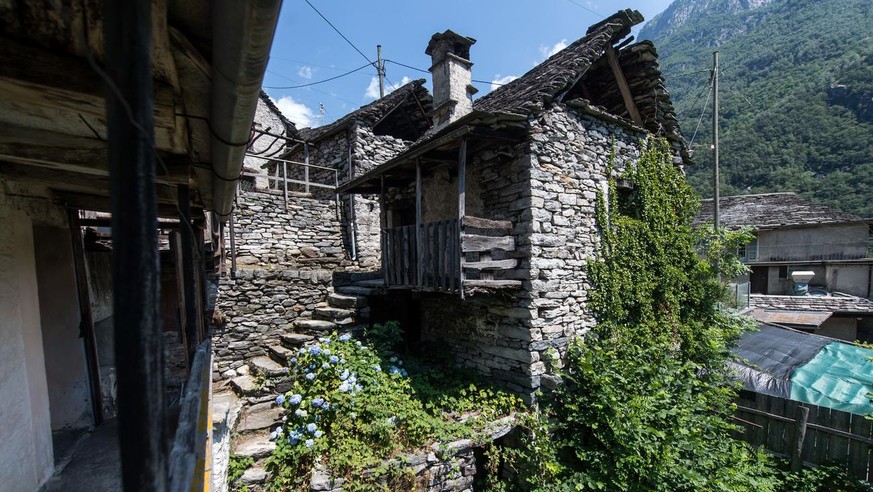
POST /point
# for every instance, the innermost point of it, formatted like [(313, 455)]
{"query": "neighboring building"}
[(794, 236), (134, 109)]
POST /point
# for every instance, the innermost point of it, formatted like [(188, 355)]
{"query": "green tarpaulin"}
[(840, 376)]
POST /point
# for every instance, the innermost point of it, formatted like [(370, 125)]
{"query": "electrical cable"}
[(700, 119), (598, 14), (426, 71), (341, 34), (319, 81)]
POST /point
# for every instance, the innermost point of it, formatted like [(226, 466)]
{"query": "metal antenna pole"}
[(715, 191), (380, 69)]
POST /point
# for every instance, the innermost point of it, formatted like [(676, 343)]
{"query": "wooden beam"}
[(473, 242), (135, 259), (629, 104), (72, 153), (480, 223), (492, 284), (188, 284), (491, 264)]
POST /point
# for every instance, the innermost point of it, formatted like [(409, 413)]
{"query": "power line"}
[(700, 119), (598, 14), (426, 71), (341, 34), (313, 88), (319, 81)]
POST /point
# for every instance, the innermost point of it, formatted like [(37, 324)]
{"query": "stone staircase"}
[(346, 310)]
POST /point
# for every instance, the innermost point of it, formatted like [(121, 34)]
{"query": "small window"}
[(783, 272), (752, 250), (741, 252)]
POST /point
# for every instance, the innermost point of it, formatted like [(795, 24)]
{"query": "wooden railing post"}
[(305, 167), (419, 261), (462, 205), (383, 225)]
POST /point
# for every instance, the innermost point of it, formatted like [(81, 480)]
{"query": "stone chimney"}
[(452, 85)]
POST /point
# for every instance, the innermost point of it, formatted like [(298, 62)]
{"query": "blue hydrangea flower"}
[(342, 361), (359, 343), (326, 406), (293, 360), (276, 433), (326, 365), (345, 337), (315, 350), (318, 434), (301, 351), (334, 359), (309, 443), (295, 399), (311, 427), (301, 413), (326, 351), (317, 402), (280, 400), (310, 376), (294, 437), (345, 387), (377, 368), (394, 370), (324, 340), (393, 359), (344, 375)]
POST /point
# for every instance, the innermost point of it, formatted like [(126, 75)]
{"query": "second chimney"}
[(452, 79)]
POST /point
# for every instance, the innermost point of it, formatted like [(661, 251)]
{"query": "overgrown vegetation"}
[(237, 466), (796, 89), (357, 411)]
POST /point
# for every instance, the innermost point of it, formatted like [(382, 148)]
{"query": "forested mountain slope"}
[(796, 94)]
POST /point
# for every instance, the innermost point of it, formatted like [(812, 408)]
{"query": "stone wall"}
[(258, 306), (450, 468), (570, 159), (305, 236)]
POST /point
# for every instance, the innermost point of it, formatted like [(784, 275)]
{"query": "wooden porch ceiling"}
[(442, 150), (53, 110)]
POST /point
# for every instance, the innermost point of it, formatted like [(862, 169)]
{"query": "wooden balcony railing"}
[(434, 258)]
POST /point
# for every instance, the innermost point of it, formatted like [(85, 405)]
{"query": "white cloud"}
[(548, 51), (498, 80), (302, 115), (305, 72), (372, 91)]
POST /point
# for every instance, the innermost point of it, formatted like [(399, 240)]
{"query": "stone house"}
[(487, 219), (793, 236), (87, 397)]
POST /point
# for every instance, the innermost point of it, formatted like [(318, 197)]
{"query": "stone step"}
[(280, 354), (256, 445), (346, 301), (245, 386), (333, 314), (255, 475), (314, 325), (266, 366), (260, 416), (357, 290), (295, 340)]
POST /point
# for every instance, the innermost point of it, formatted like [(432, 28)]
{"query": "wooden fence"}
[(440, 253), (191, 449), (807, 434)]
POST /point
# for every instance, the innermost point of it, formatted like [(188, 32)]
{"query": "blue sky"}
[(512, 36)]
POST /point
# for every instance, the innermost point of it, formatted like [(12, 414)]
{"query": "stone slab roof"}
[(530, 92), (834, 304), (290, 127), (412, 94), (771, 211)]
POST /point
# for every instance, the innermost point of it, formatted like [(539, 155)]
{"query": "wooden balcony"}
[(449, 255)]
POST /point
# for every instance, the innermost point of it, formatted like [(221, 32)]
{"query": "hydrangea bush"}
[(351, 409)]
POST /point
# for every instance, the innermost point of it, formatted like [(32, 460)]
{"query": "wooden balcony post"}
[(419, 261), (462, 206), (383, 225), (130, 139)]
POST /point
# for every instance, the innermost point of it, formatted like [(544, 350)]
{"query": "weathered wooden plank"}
[(183, 455), (441, 255), (860, 453), (480, 223), (493, 284), (418, 235), (491, 264), (838, 445), (462, 200), (450, 271), (776, 428), (823, 440), (454, 256), (788, 437), (474, 242), (799, 438), (620, 80)]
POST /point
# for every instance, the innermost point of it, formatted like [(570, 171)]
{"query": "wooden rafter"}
[(620, 80)]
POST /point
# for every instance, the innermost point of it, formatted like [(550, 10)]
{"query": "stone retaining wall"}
[(258, 307)]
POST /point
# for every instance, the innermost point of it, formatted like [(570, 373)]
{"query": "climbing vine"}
[(645, 402)]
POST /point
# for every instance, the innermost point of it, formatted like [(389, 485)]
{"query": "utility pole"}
[(380, 69), (715, 139)]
